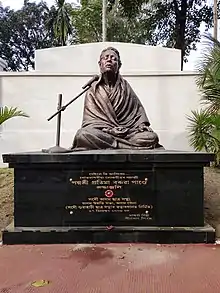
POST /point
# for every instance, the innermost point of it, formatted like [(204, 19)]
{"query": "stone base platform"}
[(109, 196), (119, 234)]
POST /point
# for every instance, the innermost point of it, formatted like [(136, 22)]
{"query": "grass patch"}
[(212, 198), (6, 196)]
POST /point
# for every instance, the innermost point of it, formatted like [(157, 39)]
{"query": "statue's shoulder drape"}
[(118, 107)]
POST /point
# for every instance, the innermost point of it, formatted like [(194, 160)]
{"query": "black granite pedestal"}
[(108, 196)]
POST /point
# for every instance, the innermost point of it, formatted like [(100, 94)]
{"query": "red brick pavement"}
[(115, 268)]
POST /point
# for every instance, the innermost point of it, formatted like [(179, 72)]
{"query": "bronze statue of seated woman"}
[(113, 117)]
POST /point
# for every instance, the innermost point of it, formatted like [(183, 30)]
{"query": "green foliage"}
[(32, 27), (120, 28), (204, 125), (174, 24), (8, 113), (59, 22), (130, 7), (87, 22), (208, 81), (22, 32)]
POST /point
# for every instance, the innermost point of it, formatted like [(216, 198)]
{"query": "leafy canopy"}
[(22, 32), (204, 125), (120, 28), (174, 24)]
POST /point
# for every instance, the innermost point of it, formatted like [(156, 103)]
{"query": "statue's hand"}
[(107, 130), (144, 127), (116, 131)]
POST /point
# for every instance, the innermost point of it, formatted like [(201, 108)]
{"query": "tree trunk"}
[(215, 15), (104, 8), (63, 41), (180, 27)]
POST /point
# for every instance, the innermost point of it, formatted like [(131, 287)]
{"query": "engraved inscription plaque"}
[(110, 197)]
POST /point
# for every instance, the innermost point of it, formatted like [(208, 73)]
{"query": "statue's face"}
[(109, 62)]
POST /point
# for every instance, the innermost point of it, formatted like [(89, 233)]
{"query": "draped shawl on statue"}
[(118, 107)]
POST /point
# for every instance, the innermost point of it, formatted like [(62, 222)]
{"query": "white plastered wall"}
[(167, 94)]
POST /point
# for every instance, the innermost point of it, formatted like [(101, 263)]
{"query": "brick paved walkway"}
[(120, 268)]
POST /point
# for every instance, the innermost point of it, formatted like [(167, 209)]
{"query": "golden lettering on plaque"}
[(111, 183), (109, 180)]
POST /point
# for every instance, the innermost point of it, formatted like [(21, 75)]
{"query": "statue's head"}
[(110, 60)]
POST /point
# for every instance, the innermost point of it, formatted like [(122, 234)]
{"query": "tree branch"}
[(191, 3), (176, 7)]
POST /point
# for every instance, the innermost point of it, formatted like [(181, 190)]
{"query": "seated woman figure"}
[(113, 117)]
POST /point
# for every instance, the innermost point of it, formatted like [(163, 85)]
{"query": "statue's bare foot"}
[(78, 149)]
